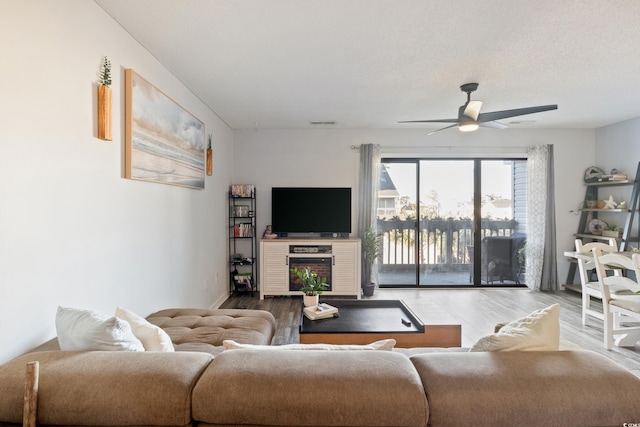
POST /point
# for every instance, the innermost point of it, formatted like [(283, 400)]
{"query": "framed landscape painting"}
[(164, 142)]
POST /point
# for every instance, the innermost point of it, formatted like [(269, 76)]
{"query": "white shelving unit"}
[(276, 258)]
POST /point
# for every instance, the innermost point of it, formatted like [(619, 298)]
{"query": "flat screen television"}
[(311, 209)]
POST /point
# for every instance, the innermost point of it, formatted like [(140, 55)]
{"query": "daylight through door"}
[(434, 213)]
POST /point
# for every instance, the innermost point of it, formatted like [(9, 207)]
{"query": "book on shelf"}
[(243, 190), (613, 177), (243, 280), (321, 311), (241, 211), (242, 230)]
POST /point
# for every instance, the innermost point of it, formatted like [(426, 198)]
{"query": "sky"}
[(453, 183)]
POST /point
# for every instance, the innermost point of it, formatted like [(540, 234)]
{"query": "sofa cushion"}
[(527, 388), (153, 338), (387, 345), (105, 387), (89, 330), (310, 388), (538, 331), (197, 325)]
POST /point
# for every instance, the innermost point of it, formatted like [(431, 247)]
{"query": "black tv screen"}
[(311, 209)]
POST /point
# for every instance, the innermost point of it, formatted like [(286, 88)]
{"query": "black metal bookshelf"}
[(243, 249)]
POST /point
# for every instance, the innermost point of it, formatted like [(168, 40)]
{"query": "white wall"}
[(271, 158), (73, 231)]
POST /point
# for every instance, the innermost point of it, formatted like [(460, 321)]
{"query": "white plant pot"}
[(310, 301), (611, 233)]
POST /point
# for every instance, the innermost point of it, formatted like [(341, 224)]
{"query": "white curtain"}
[(368, 190), (541, 261)]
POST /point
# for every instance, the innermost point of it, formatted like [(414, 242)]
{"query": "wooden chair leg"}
[(31, 395), (608, 329), (585, 306)]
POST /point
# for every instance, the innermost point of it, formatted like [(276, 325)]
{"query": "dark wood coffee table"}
[(365, 321)]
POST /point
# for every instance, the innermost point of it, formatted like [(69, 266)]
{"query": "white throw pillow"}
[(89, 330), (539, 331), (377, 345), (153, 337)]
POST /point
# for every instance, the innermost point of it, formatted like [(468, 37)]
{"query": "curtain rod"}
[(448, 149)]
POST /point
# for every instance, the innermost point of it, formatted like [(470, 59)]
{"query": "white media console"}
[(339, 257)]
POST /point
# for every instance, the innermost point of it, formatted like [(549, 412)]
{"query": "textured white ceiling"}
[(370, 63)]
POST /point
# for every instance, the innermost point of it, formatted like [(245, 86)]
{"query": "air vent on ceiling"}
[(323, 123), (521, 122)]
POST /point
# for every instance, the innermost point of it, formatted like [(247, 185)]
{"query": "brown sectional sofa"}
[(200, 329), (323, 388), (105, 387)]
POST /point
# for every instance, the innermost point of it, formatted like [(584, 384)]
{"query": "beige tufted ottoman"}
[(198, 329)]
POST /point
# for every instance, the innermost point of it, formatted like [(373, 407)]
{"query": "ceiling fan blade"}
[(497, 115), (494, 125), (472, 109), (438, 130), (431, 121)]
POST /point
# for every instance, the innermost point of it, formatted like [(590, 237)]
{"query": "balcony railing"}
[(443, 242)]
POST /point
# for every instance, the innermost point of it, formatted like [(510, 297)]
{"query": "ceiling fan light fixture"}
[(468, 125)]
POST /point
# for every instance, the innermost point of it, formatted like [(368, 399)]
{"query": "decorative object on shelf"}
[(177, 157), (593, 174), (622, 205), (209, 157), (590, 204), (612, 231), (268, 233), (596, 226), (104, 100), (371, 247), (610, 204), (312, 285)]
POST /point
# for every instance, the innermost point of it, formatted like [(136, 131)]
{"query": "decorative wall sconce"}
[(209, 158), (104, 100)]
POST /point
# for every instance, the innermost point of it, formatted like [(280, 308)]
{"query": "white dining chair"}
[(591, 288), (619, 308)]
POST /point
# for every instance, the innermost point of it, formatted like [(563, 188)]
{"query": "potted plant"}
[(312, 285), (611, 231), (104, 76), (104, 100), (209, 157), (371, 250)]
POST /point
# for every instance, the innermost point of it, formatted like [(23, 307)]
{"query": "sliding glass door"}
[(446, 221), (434, 213)]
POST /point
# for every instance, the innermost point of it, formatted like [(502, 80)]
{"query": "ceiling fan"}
[(470, 118)]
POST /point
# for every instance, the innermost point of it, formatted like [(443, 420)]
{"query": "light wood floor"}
[(477, 310)]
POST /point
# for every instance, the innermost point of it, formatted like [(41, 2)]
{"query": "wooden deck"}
[(477, 310)]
